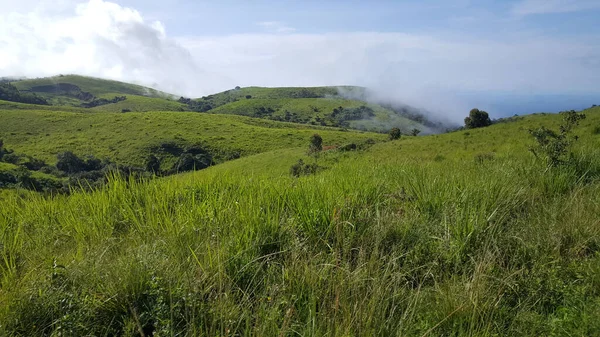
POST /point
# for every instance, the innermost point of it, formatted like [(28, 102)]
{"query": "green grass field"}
[(127, 138), (459, 234), (136, 103)]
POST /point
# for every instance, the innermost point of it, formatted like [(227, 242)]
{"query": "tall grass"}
[(437, 248)]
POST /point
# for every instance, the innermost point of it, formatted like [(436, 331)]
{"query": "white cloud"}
[(529, 7), (103, 39), (276, 27)]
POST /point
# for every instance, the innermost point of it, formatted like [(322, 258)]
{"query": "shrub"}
[(395, 133), (477, 119), (152, 164), (34, 164), (415, 132), (554, 146), (68, 162), (301, 168), (348, 147), (12, 158), (248, 96), (596, 130)]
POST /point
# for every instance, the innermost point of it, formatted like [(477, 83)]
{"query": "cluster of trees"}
[(196, 105), (66, 89), (9, 92), (71, 170), (188, 159), (103, 101)]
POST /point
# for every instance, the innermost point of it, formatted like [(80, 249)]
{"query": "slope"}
[(129, 138), (392, 241)]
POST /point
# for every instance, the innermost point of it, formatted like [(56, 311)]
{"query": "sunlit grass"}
[(412, 237)]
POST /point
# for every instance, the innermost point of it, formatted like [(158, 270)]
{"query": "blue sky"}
[(483, 18), (513, 56)]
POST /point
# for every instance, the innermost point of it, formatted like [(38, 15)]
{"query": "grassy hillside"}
[(306, 105), (316, 111), (140, 104), (128, 138), (95, 86), (460, 234)]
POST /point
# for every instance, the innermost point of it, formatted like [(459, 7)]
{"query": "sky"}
[(506, 56)]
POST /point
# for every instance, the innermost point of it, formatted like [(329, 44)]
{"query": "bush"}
[(68, 162), (477, 119), (348, 147), (301, 168), (554, 146), (395, 133), (415, 132), (152, 164), (11, 158), (34, 164), (248, 96)]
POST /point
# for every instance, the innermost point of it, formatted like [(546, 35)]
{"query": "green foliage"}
[(395, 133), (477, 119), (153, 164), (301, 168), (415, 132), (8, 92), (315, 145), (555, 146)]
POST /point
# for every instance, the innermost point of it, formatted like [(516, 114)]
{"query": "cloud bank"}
[(100, 38)]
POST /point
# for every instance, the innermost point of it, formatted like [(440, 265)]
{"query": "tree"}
[(68, 162), (415, 132), (152, 164), (316, 144), (477, 119), (395, 133)]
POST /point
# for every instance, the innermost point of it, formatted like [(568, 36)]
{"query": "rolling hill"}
[(307, 105)]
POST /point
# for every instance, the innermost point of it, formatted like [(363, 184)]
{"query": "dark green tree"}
[(153, 164), (395, 133), (68, 162), (415, 132), (316, 144), (477, 119)]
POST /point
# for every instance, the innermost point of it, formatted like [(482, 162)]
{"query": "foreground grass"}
[(381, 243)]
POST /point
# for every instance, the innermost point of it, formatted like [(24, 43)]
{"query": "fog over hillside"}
[(427, 70)]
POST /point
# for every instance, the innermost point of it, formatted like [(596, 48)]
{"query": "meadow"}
[(128, 138), (459, 234)]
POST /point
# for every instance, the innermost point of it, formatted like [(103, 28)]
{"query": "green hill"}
[(129, 138), (307, 105), (95, 86), (459, 234)]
